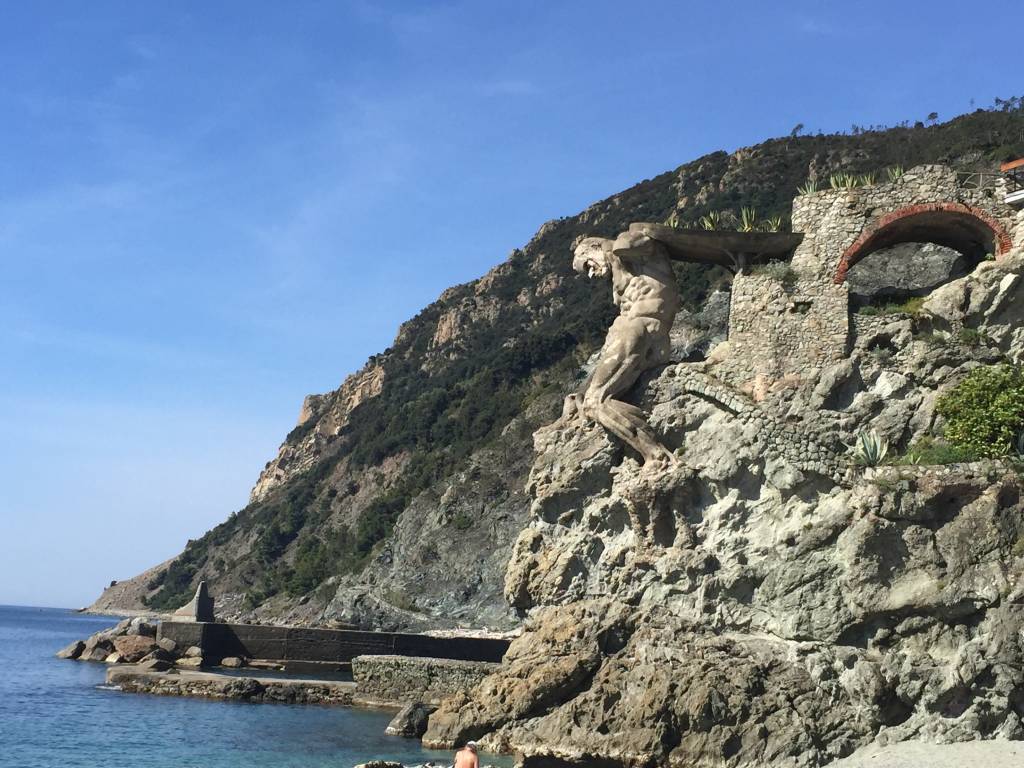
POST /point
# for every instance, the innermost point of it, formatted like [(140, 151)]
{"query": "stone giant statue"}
[(645, 290)]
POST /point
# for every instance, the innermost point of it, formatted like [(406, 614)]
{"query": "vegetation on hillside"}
[(434, 416)]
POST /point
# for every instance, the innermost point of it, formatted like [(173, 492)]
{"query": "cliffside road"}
[(909, 754)]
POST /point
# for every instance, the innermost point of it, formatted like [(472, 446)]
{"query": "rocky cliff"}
[(367, 512), (768, 601)]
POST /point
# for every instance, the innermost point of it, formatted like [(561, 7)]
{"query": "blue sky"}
[(211, 209)]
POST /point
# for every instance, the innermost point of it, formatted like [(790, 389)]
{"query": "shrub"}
[(929, 451), (808, 188), (985, 412), (972, 337)]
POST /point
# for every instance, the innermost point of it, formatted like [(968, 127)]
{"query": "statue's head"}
[(590, 256)]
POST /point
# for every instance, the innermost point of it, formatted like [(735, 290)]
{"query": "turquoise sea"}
[(55, 714)]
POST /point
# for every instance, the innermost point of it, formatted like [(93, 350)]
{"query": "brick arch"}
[(962, 227)]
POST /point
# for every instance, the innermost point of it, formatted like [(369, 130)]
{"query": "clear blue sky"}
[(211, 209)]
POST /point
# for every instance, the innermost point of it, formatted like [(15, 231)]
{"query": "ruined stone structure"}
[(783, 330)]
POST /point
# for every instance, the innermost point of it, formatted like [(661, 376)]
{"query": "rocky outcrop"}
[(909, 269), (321, 418), (129, 641), (767, 602)]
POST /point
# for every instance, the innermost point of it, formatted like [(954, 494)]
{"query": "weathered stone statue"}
[(645, 290)]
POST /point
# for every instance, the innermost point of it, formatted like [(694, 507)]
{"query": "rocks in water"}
[(72, 651), (133, 648), (411, 720), (190, 662), (129, 641), (380, 764), (233, 662), (156, 665)]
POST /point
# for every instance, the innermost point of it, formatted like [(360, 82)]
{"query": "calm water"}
[(54, 715)]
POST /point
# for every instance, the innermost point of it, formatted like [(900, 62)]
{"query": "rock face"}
[(767, 602), (909, 269)]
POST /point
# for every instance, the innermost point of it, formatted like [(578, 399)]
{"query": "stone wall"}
[(400, 679), (778, 329), (256, 641), (833, 219)]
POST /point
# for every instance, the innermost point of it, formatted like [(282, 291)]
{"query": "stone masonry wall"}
[(402, 679), (778, 330), (833, 219)]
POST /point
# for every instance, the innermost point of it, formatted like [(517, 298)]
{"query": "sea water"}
[(57, 714)]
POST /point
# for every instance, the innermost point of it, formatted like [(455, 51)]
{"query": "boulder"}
[(167, 644), (133, 647), (72, 651), (193, 651), (142, 625), (190, 662), (901, 271), (156, 665), (158, 653), (232, 661), (411, 720), (114, 658)]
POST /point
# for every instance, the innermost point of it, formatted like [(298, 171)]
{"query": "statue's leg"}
[(624, 359), (629, 424)]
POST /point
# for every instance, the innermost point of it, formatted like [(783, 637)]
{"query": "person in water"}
[(466, 757)]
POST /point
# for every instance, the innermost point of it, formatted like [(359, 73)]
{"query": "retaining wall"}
[(255, 641)]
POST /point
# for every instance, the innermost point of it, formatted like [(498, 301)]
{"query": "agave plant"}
[(866, 180), (674, 221), (808, 188), (711, 221), (870, 449), (843, 181), (773, 224), (895, 172), (748, 220)]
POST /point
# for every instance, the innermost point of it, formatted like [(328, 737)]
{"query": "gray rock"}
[(167, 644), (411, 720), (72, 651), (156, 665), (232, 662), (908, 269)]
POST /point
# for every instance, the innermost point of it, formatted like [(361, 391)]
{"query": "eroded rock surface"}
[(766, 602)]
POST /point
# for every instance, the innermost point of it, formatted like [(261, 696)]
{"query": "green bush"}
[(985, 412), (929, 451), (911, 306)]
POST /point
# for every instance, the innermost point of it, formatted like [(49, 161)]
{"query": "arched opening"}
[(912, 251)]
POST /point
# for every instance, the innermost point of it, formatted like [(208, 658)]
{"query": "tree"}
[(797, 130), (933, 117)]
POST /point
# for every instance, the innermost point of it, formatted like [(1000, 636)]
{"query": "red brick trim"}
[(853, 254)]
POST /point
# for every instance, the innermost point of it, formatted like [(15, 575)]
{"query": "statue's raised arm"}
[(645, 290)]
